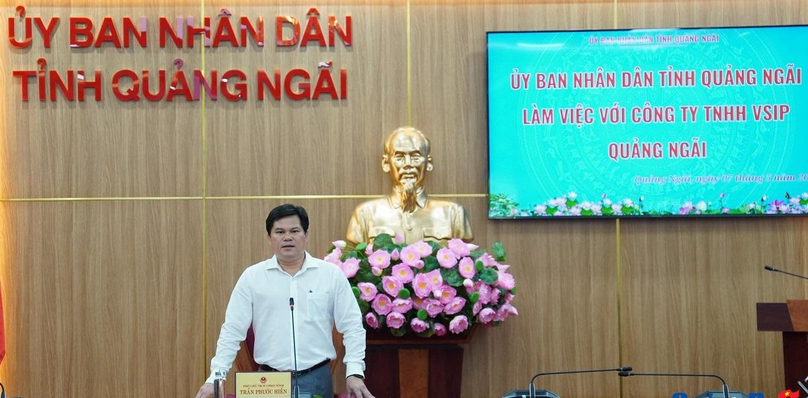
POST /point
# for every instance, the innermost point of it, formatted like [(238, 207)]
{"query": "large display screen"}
[(656, 122)]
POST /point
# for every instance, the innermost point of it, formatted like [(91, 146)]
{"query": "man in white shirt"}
[(322, 298)]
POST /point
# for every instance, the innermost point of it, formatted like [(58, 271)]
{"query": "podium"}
[(791, 319)]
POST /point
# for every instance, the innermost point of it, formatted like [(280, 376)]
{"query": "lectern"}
[(791, 319)]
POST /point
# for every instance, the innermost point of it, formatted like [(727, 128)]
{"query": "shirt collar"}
[(272, 263), (420, 198)]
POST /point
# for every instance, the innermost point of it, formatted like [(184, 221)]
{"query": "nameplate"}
[(263, 384)]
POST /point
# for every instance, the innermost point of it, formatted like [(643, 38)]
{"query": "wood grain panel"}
[(708, 13), (690, 292), (567, 301), (311, 147), (101, 298), (98, 149)]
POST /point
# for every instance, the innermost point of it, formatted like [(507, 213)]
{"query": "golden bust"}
[(408, 210)]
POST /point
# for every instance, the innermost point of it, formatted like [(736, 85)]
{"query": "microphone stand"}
[(770, 268), (723, 383), (532, 386), (294, 344)]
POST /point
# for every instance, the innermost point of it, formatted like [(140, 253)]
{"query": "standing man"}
[(322, 297)]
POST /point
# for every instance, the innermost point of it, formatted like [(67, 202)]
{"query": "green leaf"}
[(498, 251), (513, 291), (435, 247), (431, 263), (422, 314), (361, 247), (404, 293), (365, 275), (398, 332), (478, 265), (356, 291), (489, 276), (364, 306), (381, 240), (451, 277)]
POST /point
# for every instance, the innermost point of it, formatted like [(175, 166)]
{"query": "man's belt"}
[(267, 368)]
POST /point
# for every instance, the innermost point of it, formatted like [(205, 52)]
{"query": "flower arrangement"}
[(569, 205), (426, 288)]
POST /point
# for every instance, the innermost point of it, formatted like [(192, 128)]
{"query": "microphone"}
[(294, 343), (532, 387), (770, 268), (724, 387)]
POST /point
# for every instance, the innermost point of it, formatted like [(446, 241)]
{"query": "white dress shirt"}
[(322, 298)]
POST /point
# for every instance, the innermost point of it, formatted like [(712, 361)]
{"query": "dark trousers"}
[(317, 382)]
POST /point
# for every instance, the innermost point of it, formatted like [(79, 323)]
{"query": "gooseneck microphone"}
[(532, 387), (770, 268), (724, 387), (294, 344)]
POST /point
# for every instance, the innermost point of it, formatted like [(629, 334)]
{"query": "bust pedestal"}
[(414, 367)]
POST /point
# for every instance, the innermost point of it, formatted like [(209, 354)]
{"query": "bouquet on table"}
[(426, 288)]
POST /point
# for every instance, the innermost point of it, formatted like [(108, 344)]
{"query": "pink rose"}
[(421, 285), (350, 267), (445, 294), (422, 248), (433, 307), (485, 293), (454, 306), (334, 256), (418, 325), (382, 304), (402, 306), (459, 247), (505, 280), (403, 273), (379, 258), (410, 256), (369, 249), (446, 258), (466, 268), (339, 244), (395, 320), (440, 329), (371, 320), (459, 324), (392, 285), (487, 315), (367, 291), (435, 279)]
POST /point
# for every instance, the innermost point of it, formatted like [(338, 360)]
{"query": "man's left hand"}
[(356, 388)]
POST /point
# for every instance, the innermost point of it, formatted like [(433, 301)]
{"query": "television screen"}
[(652, 122)]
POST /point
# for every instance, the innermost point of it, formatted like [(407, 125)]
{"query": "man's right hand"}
[(205, 391)]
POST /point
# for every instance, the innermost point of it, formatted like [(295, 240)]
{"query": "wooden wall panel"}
[(317, 147), (690, 292), (101, 298), (97, 149), (567, 301), (709, 13)]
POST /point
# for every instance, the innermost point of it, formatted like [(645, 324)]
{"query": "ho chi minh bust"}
[(408, 210)]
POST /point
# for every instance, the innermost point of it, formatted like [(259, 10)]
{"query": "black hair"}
[(287, 210)]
